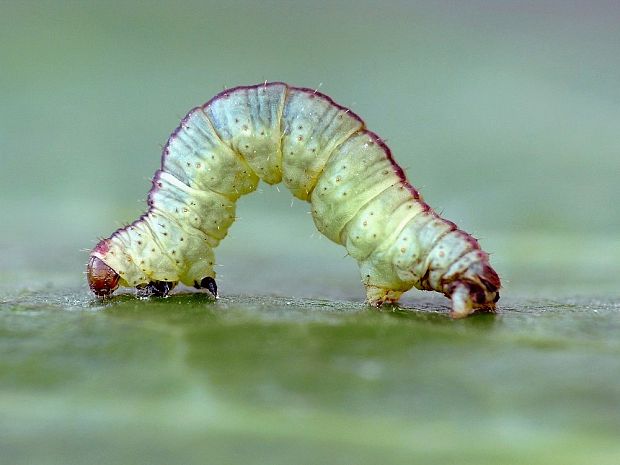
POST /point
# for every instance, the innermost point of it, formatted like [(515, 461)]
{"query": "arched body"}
[(323, 154)]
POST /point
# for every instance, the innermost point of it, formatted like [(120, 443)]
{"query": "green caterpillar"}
[(324, 154)]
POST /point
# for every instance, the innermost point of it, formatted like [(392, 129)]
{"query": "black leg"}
[(208, 284), (155, 289)]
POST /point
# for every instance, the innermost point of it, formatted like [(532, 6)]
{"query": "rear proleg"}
[(378, 296)]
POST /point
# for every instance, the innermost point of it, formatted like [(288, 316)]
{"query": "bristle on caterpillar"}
[(323, 153)]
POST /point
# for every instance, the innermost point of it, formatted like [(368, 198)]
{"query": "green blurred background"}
[(505, 114)]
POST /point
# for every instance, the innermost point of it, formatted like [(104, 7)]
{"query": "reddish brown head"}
[(102, 279)]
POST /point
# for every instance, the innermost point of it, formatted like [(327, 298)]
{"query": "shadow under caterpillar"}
[(324, 154)]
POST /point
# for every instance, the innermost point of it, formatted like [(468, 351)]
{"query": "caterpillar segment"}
[(323, 154)]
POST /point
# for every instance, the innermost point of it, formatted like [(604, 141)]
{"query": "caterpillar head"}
[(102, 279), (475, 289)]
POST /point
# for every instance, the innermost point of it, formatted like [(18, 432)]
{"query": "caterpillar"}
[(323, 154)]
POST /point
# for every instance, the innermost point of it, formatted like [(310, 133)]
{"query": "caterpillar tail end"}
[(464, 303), (477, 294)]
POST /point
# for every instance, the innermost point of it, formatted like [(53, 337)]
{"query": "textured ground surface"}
[(270, 380)]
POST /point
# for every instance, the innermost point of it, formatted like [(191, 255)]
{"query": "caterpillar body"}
[(324, 154)]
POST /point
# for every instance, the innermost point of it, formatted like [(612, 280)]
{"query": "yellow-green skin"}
[(323, 154)]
